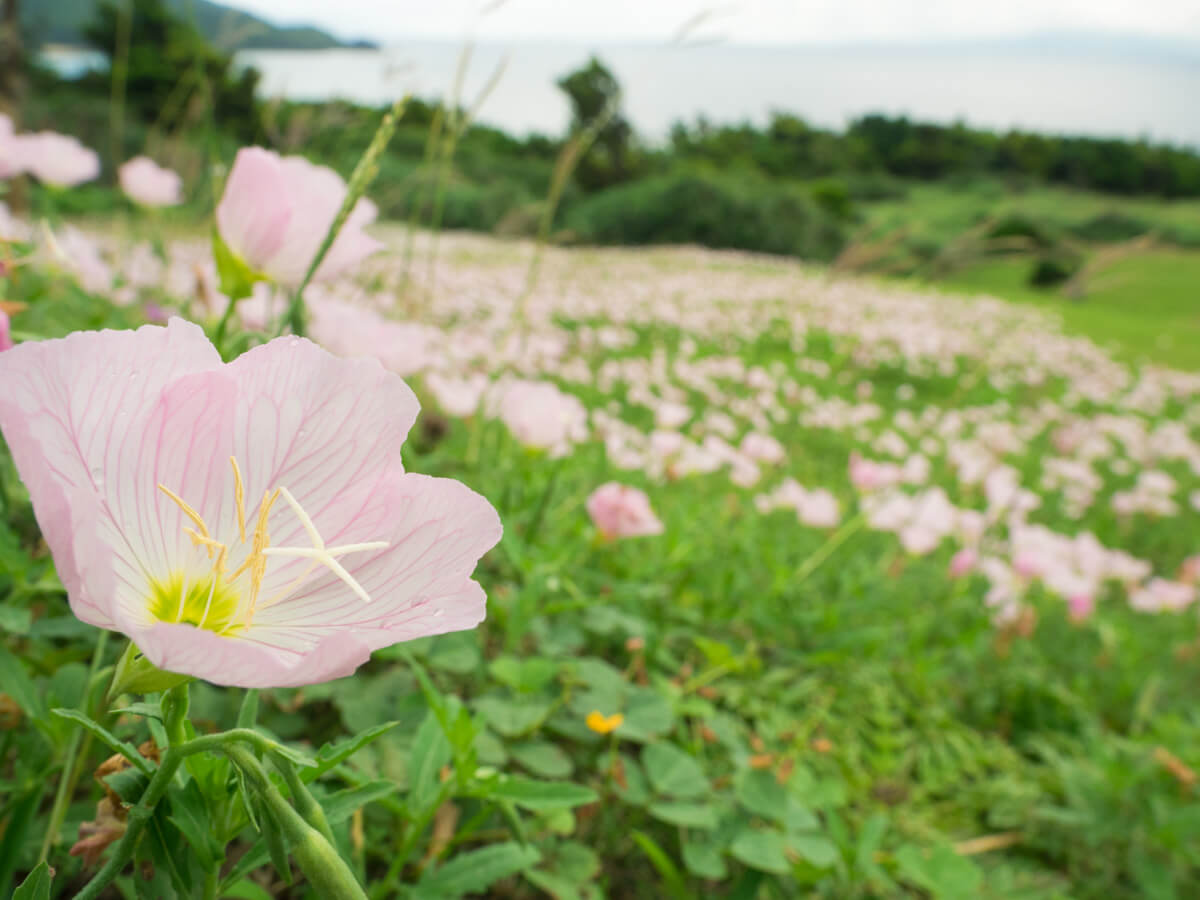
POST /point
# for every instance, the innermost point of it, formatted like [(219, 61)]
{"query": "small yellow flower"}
[(602, 724)]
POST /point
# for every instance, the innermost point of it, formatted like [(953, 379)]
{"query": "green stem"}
[(76, 749), (175, 703), (135, 823), (140, 815), (324, 867), (823, 552)]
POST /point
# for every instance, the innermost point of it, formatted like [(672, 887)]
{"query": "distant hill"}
[(63, 21)]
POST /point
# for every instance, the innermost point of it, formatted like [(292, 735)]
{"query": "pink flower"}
[(539, 415), (275, 212), (1080, 607), (620, 511), (6, 342), (147, 183), (1159, 595), (57, 159), (963, 562), (247, 523), (762, 448), (10, 149)]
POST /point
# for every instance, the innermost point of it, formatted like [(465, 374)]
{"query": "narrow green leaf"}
[(126, 749), (671, 876), (430, 752), (538, 796), (477, 870), (341, 805), (333, 755)]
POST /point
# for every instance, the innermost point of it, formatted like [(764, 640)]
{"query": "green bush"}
[(1111, 227), (710, 210), (1053, 268)]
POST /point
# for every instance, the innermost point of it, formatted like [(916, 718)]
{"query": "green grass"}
[(1145, 308)]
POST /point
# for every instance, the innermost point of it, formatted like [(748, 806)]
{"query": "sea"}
[(1098, 90)]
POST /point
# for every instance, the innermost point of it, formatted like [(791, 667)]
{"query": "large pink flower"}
[(275, 212), (146, 182), (247, 523), (57, 159)]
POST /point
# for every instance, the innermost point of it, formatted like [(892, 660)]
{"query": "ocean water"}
[(1039, 88), (1067, 92)]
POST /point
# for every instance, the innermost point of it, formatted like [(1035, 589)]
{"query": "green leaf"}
[(126, 749), (144, 710), (341, 805), (19, 686), (705, 860), (674, 773), (760, 793), (477, 870), (543, 758), (661, 861), (648, 714), (333, 755), (940, 871), (456, 653), (15, 619), (190, 815), (36, 886), (685, 815), (512, 717), (430, 752), (816, 849), (537, 796), (761, 849), (245, 890), (525, 676)]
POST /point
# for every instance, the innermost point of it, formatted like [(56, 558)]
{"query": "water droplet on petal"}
[(439, 612)]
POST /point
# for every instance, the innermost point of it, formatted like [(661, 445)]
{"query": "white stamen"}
[(326, 556)]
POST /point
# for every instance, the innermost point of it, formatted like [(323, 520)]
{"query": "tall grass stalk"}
[(364, 173)]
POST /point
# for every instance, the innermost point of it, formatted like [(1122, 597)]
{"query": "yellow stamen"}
[(256, 561), (239, 497), (187, 510)]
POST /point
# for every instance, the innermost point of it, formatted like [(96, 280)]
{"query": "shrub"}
[(1111, 227), (1054, 268), (711, 210)]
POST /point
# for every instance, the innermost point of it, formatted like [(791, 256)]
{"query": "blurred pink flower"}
[(1161, 595), (621, 511), (762, 448), (147, 183), (539, 415), (1080, 607), (5, 333), (275, 212), (10, 158), (963, 562), (247, 523), (56, 159)]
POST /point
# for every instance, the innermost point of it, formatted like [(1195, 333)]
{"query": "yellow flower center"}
[(224, 601)]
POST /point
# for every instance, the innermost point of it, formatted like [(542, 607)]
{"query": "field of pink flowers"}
[(796, 585)]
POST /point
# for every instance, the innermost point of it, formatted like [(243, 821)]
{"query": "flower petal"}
[(255, 209), (68, 408), (243, 663), (320, 426), (437, 529)]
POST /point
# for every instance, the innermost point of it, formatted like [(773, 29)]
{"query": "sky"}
[(736, 21)]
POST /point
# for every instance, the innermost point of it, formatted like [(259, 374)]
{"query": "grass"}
[(1145, 309)]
